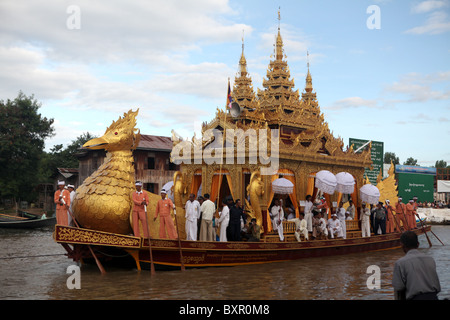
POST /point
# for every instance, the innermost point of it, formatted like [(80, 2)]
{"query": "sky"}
[(380, 68)]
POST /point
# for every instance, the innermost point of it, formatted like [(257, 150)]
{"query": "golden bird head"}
[(120, 135)]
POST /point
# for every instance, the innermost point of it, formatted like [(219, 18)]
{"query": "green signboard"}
[(377, 156), (415, 185)]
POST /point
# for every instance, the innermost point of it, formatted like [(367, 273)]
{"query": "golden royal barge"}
[(261, 137)]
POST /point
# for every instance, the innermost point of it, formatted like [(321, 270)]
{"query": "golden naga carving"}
[(388, 187), (179, 195), (103, 201), (255, 189)]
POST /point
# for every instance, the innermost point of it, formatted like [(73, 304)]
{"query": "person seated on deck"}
[(334, 227), (319, 225), (301, 227), (253, 232)]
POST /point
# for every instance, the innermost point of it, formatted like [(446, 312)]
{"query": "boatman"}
[(308, 212), (165, 220), (400, 210), (62, 201), (340, 212), (192, 209), (415, 276), (277, 215), (140, 202), (411, 214)]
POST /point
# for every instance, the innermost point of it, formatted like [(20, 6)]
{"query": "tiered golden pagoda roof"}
[(304, 134)]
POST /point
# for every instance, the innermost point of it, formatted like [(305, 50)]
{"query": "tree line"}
[(390, 156)]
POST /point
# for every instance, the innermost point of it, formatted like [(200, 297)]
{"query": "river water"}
[(33, 266)]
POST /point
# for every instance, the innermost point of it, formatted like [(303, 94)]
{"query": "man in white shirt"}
[(192, 209), (224, 219), (365, 220), (300, 227), (208, 208), (351, 209), (308, 213), (277, 216), (341, 216), (334, 227)]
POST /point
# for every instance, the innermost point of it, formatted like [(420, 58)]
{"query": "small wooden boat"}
[(25, 221), (166, 253)]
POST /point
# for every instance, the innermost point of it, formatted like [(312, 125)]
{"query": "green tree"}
[(441, 164), (22, 134), (390, 156), (60, 157), (410, 162)]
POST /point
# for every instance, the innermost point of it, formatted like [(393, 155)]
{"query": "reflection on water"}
[(32, 266)]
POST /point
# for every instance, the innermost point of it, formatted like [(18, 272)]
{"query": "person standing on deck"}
[(340, 212), (208, 208), (390, 224), (351, 209), (380, 219), (365, 220), (400, 210), (62, 201), (192, 209), (234, 226), (308, 213), (224, 220), (411, 214), (140, 201), (165, 220), (277, 215), (71, 189)]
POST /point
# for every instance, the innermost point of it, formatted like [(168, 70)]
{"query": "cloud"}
[(353, 102), (437, 21), (427, 6), (417, 87)]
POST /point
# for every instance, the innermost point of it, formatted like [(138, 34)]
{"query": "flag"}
[(229, 98)]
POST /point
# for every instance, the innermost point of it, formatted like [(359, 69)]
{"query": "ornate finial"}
[(308, 87), (279, 18)]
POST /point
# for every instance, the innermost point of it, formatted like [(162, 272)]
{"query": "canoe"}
[(27, 223), (166, 253)]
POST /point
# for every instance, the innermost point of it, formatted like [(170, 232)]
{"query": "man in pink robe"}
[(165, 220), (140, 202), (62, 201)]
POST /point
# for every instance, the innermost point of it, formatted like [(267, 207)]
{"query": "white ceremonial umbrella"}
[(325, 181), (168, 187), (369, 194), (345, 183), (282, 186)]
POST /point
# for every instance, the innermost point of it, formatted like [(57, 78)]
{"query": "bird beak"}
[(97, 143)]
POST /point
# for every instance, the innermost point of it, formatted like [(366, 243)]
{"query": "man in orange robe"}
[(165, 220), (62, 201), (411, 214), (140, 202), (390, 224), (400, 210)]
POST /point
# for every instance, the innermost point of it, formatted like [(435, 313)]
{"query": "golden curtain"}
[(196, 182), (329, 204), (216, 183)]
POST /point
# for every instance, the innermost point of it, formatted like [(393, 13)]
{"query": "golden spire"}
[(308, 87), (279, 41), (243, 61)]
